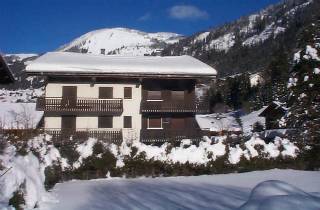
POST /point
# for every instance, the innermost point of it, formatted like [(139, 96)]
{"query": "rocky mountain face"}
[(121, 41), (248, 44)]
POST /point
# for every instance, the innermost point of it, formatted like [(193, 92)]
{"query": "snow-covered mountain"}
[(248, 43), (121, 41)]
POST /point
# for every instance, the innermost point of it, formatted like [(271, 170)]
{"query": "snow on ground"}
[(24, 171), (223, 43), (274, 194), (19, 115), (27, 172), (227, 121), (270, 31), (27, 95), (223, 192), (201, 37), (250, 119)]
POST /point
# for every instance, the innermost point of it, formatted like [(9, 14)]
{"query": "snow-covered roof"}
[(78, 63), (218, 122)]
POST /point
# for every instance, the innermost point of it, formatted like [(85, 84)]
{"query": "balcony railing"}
[(174, 106), (52, 104), (170, 135), (65, 136)]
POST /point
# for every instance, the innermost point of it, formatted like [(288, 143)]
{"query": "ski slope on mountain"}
[(121, 41)]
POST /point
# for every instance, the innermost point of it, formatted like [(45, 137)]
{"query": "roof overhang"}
[(6, 75), (121, 75)]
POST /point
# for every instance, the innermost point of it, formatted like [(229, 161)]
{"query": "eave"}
[(122, 75)]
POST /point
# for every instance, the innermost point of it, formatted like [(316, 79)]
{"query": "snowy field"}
[(230, 191)]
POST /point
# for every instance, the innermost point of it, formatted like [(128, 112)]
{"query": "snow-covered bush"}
[(41, 165)]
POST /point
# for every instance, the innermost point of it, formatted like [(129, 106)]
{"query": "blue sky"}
[(38, 26)]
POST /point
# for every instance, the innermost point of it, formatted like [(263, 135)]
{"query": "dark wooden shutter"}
[(105, 121), (154, 95), (178, 123), (155, 122), (68, 123), (128, 93), (177, 95), (69, 96), (106, 92), (127, 121)]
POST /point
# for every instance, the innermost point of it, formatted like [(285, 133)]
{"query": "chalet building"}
[(6, 75), (121, 98), (273, 113)]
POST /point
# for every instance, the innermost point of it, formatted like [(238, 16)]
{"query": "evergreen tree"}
[(304, 90)]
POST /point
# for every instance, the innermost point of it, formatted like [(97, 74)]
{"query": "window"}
[(155, 123), (68, 122), (105, 92), (177, 95), (105, 122), (102, 51), (127, 93), (154, 95), (127, 121)]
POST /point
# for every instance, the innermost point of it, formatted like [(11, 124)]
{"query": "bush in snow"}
[(257, 127), (53, 175), (70, 153), (17, 201)]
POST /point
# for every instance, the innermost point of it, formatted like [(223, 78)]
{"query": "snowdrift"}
[(275, 195)]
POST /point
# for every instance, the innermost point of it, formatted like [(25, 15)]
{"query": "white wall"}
[(131, 107)]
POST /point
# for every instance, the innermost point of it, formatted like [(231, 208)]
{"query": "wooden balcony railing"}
[(64, 136), (174, 106), (110, 106), (170, 135)]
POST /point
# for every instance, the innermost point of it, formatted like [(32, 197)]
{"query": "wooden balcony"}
[(73, 105), (63, 136), (171, 135), (174, 107)]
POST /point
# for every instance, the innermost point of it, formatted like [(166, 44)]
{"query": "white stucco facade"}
[(131, 107)]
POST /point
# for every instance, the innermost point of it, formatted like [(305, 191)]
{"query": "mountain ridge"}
[(123, 41)]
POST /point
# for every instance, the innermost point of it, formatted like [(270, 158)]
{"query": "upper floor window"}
[(69, 91), (154, 95), (177, 95), (105, 92), (127, 93)]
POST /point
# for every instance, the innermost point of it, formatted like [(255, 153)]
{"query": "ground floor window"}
[(154, 123), (105, 122), (127, 122)]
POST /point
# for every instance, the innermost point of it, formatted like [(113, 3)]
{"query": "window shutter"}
[(105, 92), (105, 122), (155, 122), (154, 95), (127, 122), (128, 93)]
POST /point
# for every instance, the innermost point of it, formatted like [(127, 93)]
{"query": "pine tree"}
[(304, 90)]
